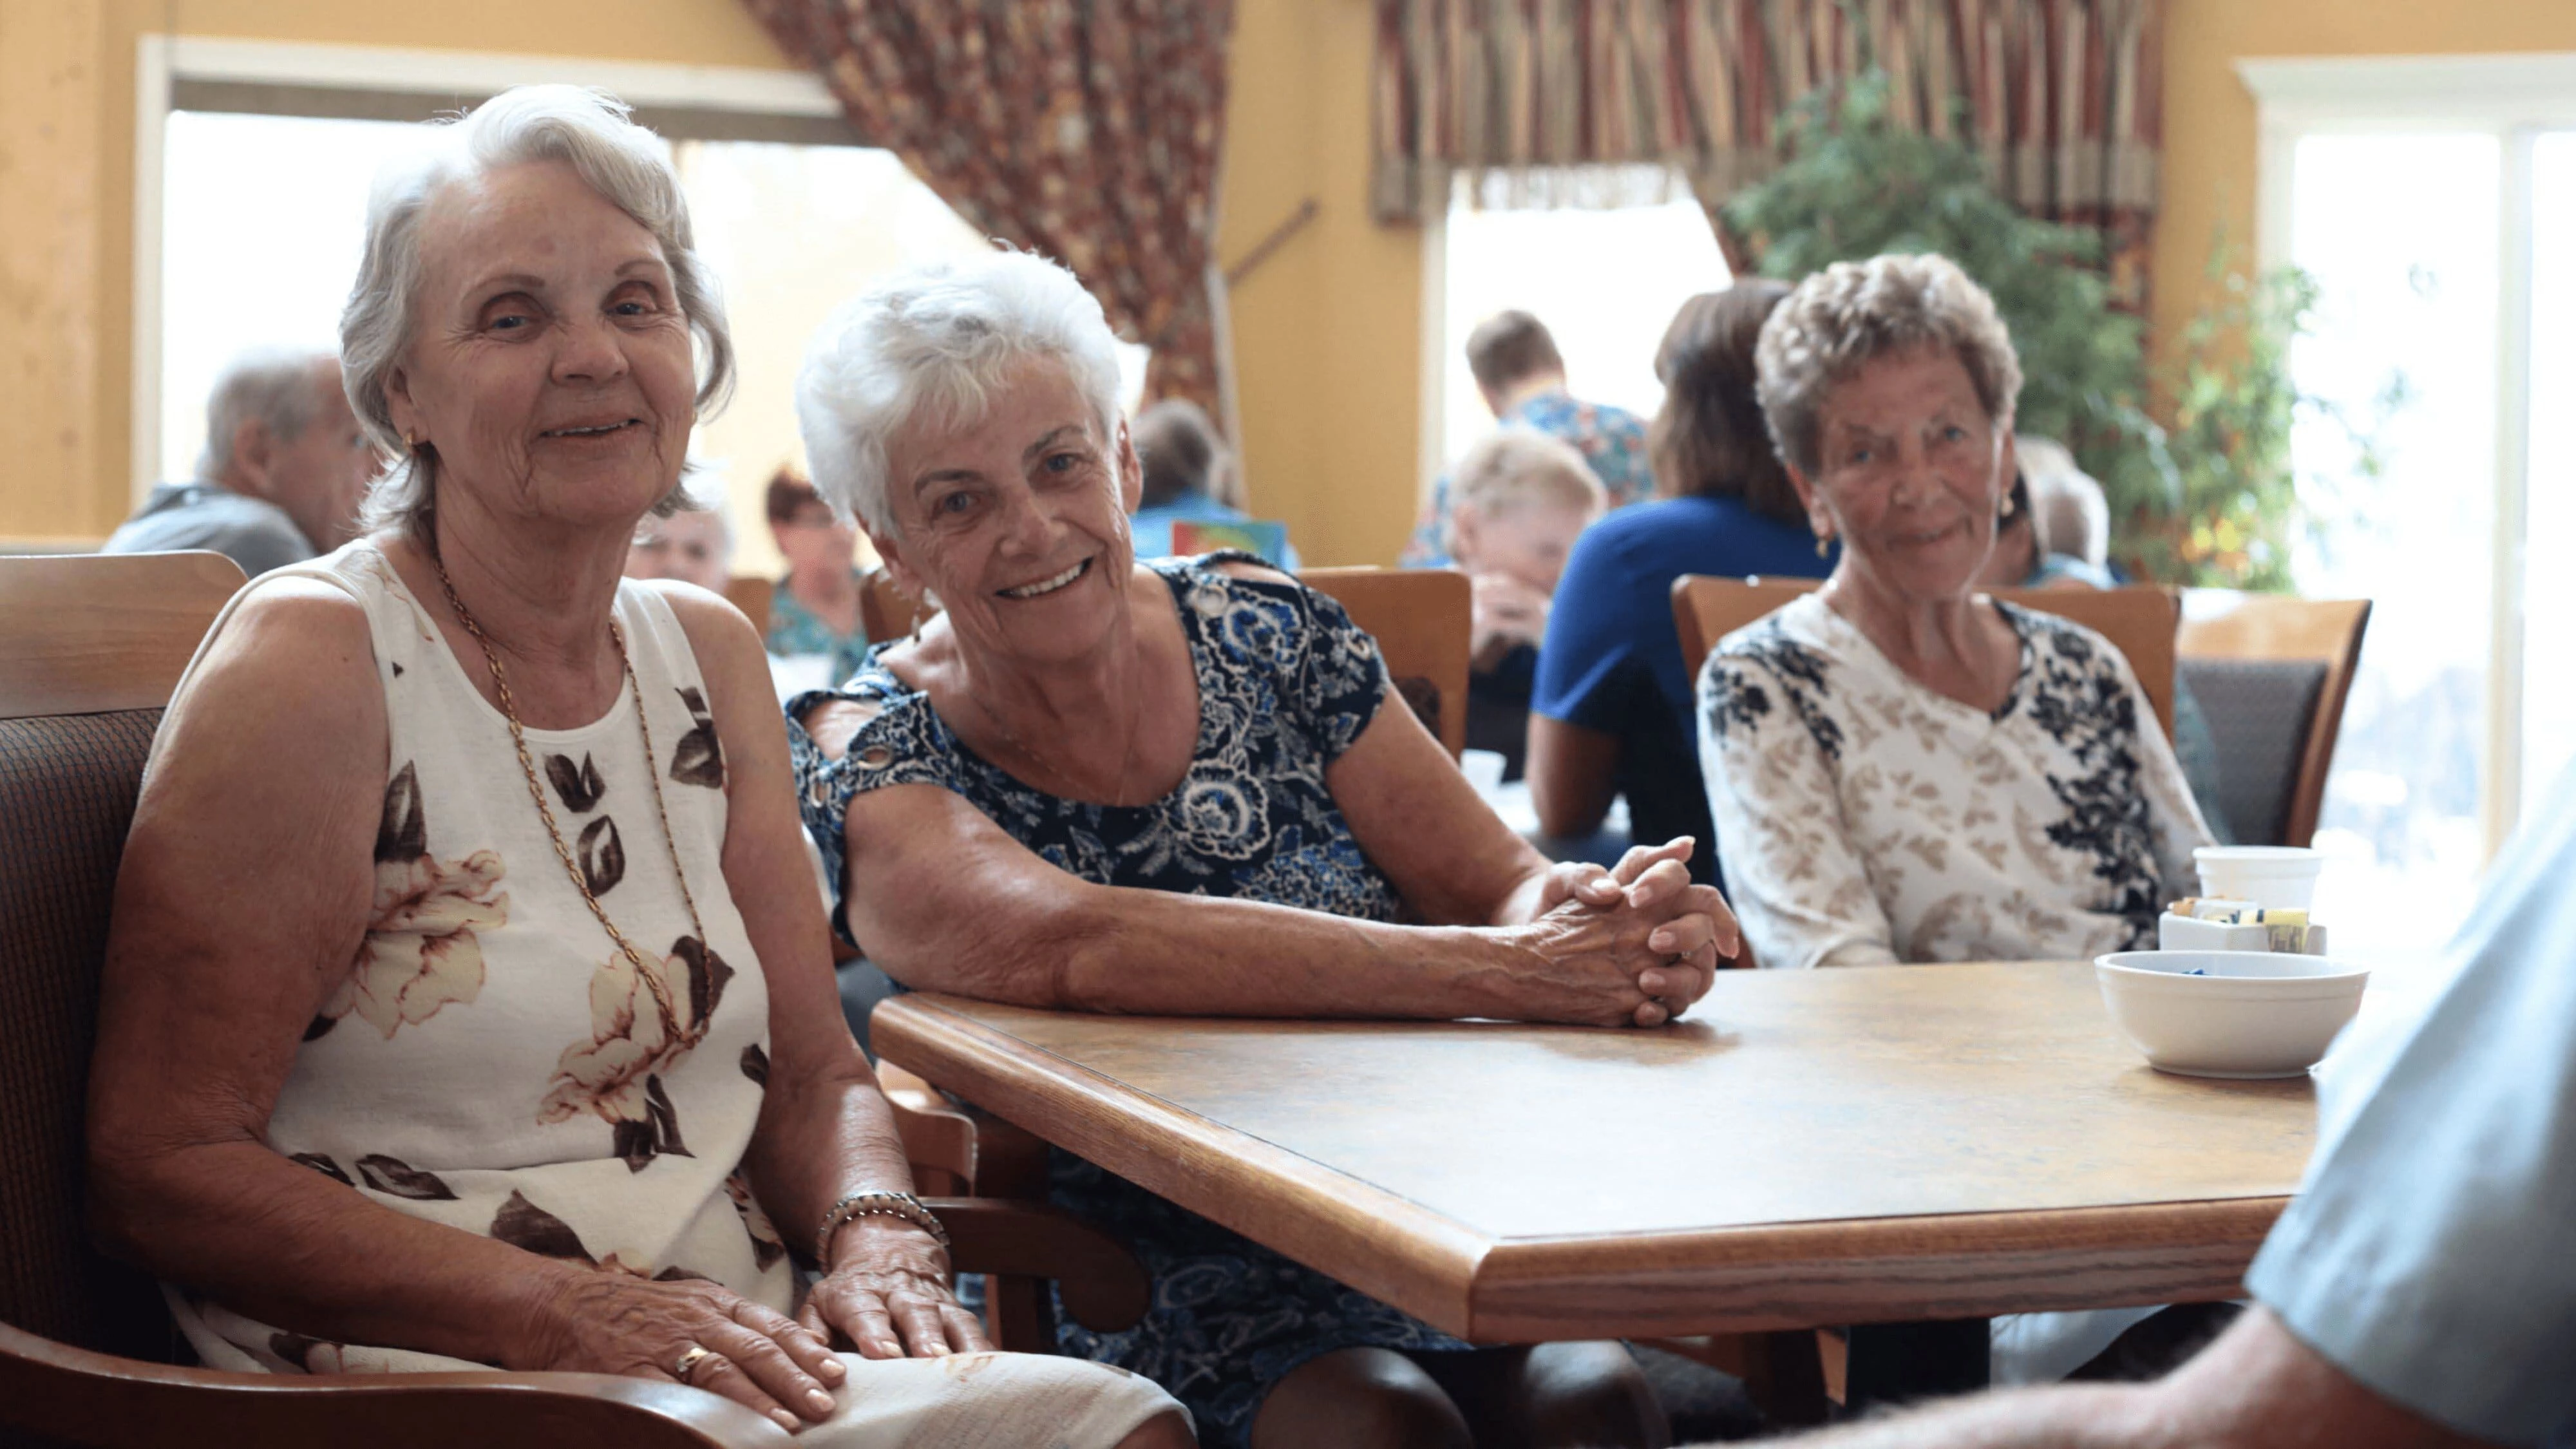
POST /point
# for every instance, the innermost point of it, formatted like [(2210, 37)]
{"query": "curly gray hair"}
[(1852, 313), (585, 129), (939, 338)]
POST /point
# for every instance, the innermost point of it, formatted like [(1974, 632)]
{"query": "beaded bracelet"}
[(878, 1204)]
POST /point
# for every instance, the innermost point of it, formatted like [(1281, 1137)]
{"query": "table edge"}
[(1393, 1248)]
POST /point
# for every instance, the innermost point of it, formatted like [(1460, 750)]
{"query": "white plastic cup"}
[(2275, 877)]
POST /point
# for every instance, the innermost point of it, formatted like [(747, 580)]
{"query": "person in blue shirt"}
[(1611, 712), (2418, 1293), (1187, 469)]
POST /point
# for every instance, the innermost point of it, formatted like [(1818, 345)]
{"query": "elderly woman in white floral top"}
[(1902, 769), (469, 1000)]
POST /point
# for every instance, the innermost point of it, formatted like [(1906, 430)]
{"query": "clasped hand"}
[(1635, 944), (887, 1294)]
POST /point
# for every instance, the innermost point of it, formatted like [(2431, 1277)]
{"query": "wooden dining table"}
[(1806, 1148)]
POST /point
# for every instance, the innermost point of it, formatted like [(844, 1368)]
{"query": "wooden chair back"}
[(2139, 621), (90, 633), (90, 648), (886, 611), (2269, 629), (1421, 619), (752, 594)]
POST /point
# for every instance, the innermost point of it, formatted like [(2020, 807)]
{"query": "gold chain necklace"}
[(651, 978)]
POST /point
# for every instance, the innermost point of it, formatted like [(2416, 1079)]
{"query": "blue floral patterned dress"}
[(1286, 684)]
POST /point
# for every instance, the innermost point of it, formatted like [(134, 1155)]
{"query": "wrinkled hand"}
[(612, 1323), (1662, 933), (1506, 612), (888, 1294)]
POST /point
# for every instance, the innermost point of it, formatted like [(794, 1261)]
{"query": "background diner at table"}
[(1176, 788), (416, 1057)]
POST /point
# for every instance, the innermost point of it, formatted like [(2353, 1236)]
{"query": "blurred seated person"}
[(2053, 546), (2414, 1294), (1189, 475), (1178, 788), (1519, 501), (284, 469), (694, 545), (1901, 768), (1612, 712), (1521, 376), (816, 608)]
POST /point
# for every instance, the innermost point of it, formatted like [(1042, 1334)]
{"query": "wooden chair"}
[(752, 594), (2140, 621), (2300, 652), (1421, 619), (885, 610), (90, 648)]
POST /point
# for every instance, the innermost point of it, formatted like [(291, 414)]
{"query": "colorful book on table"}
[(1260, 536)]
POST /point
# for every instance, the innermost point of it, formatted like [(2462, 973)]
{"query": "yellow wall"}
[(1325, 334), (2209, 115)]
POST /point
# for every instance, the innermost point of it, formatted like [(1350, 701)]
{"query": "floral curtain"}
[(1088, 130), (2062, 97)]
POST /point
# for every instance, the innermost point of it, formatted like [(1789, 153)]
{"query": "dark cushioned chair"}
[(2271, 675), (90, 648)]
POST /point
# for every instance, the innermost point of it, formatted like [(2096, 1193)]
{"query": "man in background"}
[(1522, 378), (694, 545), (283, 473)]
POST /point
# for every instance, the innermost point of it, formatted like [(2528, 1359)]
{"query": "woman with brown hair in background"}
[(1612, 711)]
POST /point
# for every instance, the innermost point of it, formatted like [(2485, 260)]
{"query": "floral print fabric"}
[(493, 1062), (1286, 684), (1868, 820)]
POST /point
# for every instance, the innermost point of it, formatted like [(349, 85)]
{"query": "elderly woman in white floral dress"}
[(1903, 769), (469, 999)]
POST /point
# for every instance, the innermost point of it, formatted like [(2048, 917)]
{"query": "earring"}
[(1824, 541)]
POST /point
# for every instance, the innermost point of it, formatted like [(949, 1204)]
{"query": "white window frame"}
[(162, 62), (2513, 98)]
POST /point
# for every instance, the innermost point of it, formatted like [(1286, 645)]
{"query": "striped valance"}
[(2062, 97)]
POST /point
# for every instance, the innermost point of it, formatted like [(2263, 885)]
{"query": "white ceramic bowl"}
[(2275, 877), (2252, 1014)]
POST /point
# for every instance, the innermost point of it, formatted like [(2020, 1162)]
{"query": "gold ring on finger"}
[(697, 1354)]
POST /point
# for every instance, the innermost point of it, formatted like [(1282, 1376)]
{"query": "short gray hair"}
[(1853, 313), (272, 385), (2068, 513), (585, 129), (934, 341)]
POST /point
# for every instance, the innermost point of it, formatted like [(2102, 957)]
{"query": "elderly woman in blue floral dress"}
[(1178, 788)]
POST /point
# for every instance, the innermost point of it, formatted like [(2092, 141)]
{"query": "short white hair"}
[(272, 385), (931, 343), (585, 129)]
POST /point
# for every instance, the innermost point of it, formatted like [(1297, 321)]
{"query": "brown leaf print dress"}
[(495, 1064)]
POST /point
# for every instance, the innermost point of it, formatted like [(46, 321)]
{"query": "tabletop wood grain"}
[(1808, 1148)]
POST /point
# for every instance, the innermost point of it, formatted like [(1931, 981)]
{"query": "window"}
[(264, 164), (1606, 281), (2434, 201)]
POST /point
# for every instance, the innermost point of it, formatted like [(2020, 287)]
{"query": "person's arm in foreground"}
[(235, 921), (825, 1128), (2255, 1387)]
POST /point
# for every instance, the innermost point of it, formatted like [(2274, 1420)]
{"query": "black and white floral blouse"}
[(1866, 819), (1286, 684)]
